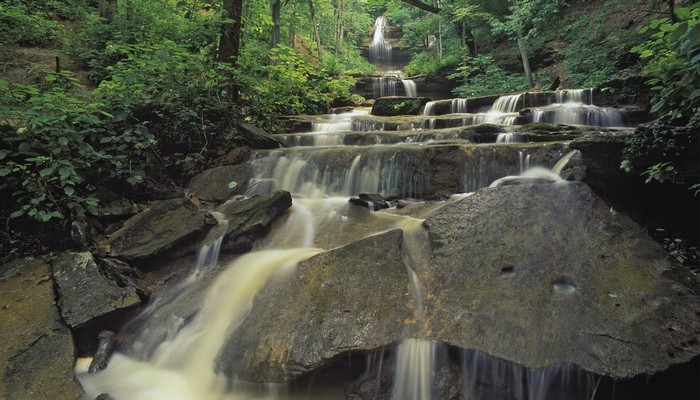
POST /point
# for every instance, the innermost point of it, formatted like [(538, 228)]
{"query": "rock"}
[(86, 298), (251, 218), (220, 183), (166, 225), (116, 210), (484, 133), (544, 274), (392, 106), (373, 201), (665, 204), (257, 138), (239, 155), (543, 132), (326, 308), (107, 341), (36, 356)]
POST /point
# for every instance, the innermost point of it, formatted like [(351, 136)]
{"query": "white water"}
[(183, 367), (379, 48), (557, 381)]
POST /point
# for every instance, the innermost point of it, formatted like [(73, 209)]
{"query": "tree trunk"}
[(292, 22), (340, 31), (107, 10), (523, 55), (230, 42), (315, 25), (275, 10)]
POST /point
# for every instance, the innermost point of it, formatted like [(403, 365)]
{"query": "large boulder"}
[(36, 355), (220, 183), (543, 274), (164, 226), (352, 298)]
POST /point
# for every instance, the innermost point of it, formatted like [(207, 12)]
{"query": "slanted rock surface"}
[(162, 227), (355, 297), (540, 274), (215, 184), (85, 295), (36, 350), (249, 219), (256, 137)]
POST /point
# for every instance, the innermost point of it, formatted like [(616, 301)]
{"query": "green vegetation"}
[(166, 88), (671, 55)]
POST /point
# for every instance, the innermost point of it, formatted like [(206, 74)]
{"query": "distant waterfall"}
[(380, 48)]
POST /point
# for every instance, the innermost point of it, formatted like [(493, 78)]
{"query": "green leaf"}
[(5, 171), (64, 172), (232, 184), (69, 190), (17, 213), (47, 171)]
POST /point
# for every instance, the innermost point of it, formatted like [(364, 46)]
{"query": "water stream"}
[(171, 355)]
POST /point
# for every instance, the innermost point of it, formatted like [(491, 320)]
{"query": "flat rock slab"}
[(215, 184), (541, 274), (355, 297), (163, 226), (36, 348), (85, 295)]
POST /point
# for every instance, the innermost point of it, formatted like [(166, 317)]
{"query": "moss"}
[(393, 106)]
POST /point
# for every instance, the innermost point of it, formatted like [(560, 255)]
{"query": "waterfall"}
[(557, 381), (392, 83), (380, 48), (409, 88)]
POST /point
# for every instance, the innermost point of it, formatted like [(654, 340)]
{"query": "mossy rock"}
[(392, 106), (544, 128)]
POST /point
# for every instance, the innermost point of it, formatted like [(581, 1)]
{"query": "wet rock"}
[(543, 132), (392, 106), (239, 155), (541, 274), (107, 341), (250, 219), (256, 137), (36, 356), (86, 297), (164, 226), (220, 183), (373, 201), (484, 133), (327, 307)]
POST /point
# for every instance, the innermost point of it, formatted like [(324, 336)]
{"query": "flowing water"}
[(172, 354)]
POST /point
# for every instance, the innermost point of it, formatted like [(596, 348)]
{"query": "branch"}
[(423, 6)]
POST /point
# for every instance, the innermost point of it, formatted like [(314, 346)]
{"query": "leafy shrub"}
[(482, 77), (672, 62), (55, 144), (22, 27)]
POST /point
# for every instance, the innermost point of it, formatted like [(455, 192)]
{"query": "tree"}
[(230, 41)]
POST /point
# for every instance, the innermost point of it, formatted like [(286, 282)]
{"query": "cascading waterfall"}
[(575, 107), (173, 355), (380, 48)]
